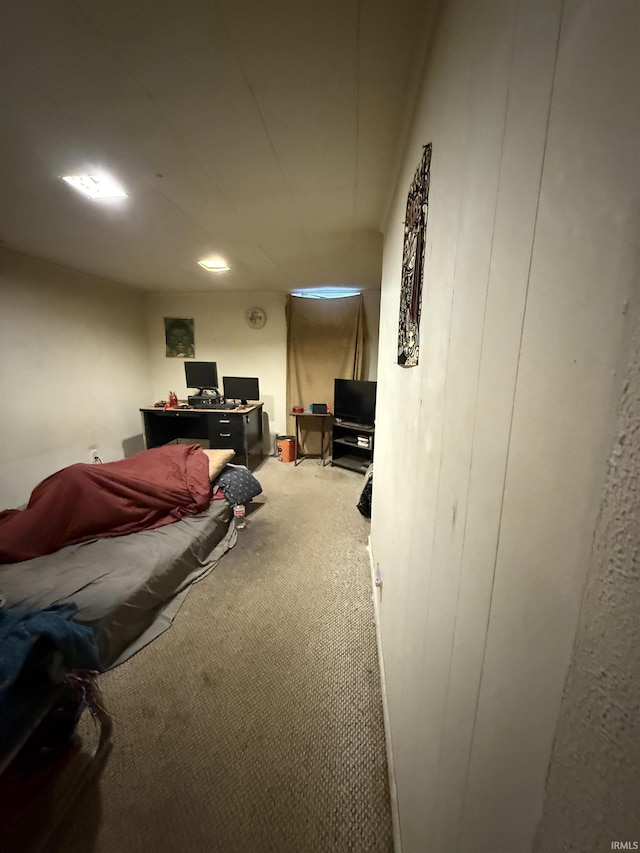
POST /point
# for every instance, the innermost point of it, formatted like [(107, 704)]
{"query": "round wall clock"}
[(256, 318)]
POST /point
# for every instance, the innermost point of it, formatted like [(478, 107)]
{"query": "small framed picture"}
[(179, 338)]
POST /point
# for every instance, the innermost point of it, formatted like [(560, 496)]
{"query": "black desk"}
[(328, 417), (221, 429)]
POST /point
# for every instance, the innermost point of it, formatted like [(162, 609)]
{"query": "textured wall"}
[(593, 791)]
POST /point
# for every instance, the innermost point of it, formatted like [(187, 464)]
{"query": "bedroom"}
[(503, 470)]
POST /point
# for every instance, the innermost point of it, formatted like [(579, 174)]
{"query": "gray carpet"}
[(255, 723)]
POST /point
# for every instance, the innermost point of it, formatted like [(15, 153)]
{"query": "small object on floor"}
[(286, 448), (239, 515)]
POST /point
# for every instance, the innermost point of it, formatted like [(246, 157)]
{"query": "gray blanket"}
[(129, 588)]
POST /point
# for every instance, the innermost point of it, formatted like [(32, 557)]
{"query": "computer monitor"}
[(241, 388), (202, 375)]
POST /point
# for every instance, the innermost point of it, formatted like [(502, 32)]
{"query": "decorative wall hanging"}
[(415, 230), (256, 318), (179, 338)]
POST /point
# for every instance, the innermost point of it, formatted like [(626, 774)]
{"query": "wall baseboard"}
[(393, 791)]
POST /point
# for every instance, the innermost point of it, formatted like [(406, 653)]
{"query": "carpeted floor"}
[(255, 723)]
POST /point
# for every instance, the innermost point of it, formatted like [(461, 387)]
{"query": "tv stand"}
[(352, 446), (354, 426)]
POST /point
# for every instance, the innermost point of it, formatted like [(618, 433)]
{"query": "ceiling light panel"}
[(99, 187), (214, 265)]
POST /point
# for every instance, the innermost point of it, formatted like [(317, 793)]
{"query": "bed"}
[(116, 547), (126, 589), (126, 586)]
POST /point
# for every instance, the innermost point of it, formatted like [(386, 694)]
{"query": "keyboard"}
[(224, 406)]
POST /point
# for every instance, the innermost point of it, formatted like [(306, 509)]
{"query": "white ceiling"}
[(265, 131)]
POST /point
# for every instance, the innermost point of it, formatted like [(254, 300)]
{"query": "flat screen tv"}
[(202, 375), (354, 401), (241, 388)]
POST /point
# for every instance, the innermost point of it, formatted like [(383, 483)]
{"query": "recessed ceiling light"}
[(214, 265), (96, 186)]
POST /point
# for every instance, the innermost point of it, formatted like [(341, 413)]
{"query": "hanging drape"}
[(325, 341)]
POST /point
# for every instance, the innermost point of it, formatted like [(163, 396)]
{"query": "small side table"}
[(325, 418)]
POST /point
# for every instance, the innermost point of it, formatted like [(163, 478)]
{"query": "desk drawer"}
[(226, 432), (227, 442), (175, 413), (224, 422), (224, 426)]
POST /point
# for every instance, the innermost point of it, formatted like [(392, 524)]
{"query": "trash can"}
[(286, 448)]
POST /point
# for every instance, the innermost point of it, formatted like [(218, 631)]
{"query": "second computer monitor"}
[(243, 388)]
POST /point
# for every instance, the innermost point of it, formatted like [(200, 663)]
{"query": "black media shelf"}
[(346, 452)]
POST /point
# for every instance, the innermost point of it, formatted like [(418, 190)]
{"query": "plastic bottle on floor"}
[(239, 515)]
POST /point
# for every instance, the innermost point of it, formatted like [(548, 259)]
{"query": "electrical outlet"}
[(93, 454)]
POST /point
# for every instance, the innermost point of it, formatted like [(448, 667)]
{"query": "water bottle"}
[(239, 515)]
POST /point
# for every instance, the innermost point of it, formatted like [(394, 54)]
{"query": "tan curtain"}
[(325, 341)]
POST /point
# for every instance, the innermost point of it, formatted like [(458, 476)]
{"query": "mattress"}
[(128, 588)]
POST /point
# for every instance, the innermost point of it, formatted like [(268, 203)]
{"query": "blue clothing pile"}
[(20, 630)]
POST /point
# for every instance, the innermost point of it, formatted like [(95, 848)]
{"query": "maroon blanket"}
[(85, 501)]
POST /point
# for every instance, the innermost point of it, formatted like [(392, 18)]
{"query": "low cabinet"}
[(352, 446)]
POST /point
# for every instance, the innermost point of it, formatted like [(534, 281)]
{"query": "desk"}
[(328, 417), (236, 429)]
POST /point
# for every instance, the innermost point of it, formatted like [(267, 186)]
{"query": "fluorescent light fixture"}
[(214, 265), (96, 186), (327, 292)]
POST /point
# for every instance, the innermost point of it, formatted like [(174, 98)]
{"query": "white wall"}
[(73, 371), (80, 355), (223, 335), (490, 454)]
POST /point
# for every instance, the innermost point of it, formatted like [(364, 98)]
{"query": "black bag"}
[(364, 504)]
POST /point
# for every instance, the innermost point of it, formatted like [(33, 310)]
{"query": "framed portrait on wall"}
[(415, 230), (179, 338)]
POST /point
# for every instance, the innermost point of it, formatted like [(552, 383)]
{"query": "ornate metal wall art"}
[(415, 230)]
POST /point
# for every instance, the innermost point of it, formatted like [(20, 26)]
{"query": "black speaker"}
[(318, 408)]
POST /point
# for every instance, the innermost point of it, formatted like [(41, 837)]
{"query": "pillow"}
[(217, 460), (238, 484)]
